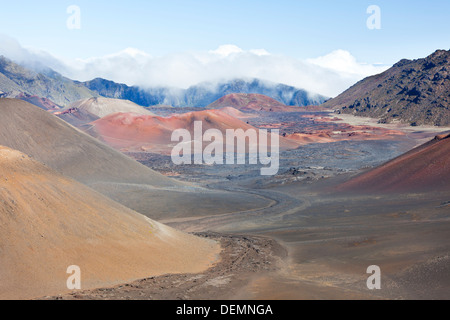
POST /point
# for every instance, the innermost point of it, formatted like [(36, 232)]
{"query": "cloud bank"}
[(328, 75)]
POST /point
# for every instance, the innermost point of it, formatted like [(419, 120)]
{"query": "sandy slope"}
[(102, 107), (425, 168), (42, 103), (50, 140), (75, 154), (84, 111), (49, 222)]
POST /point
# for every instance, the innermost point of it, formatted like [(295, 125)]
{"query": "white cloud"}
[(343, 62), (227, 50), (328, 75), (260, 52), (11, 49)]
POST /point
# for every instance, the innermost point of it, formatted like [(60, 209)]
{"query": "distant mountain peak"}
[(49, 84), (205, 93)]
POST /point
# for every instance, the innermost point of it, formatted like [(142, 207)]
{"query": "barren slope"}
[(50, 140), (250, 102), (87, 110), (133, 132), (412, 91), (49, 222), (236, 113), (426, 168), (42, 103), (15, 79)]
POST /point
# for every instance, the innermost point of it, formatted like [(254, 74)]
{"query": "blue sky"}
[(321, 45), (302, 29)]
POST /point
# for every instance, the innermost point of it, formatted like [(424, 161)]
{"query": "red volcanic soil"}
[(250, 102), (236, 113), (426, 168), (316, 128), (134, 132), (42, 103), (345, 132), (351, 132), (306, 138)]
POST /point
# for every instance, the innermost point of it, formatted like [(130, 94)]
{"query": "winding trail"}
[(235, 222)]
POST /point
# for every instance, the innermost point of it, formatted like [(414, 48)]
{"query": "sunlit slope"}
[(50, 140), (49, 222)]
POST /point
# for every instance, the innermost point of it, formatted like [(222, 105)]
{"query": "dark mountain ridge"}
[(18, 81), (412, 91)]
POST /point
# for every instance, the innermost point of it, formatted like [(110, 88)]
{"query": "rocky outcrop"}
[(412, 91)]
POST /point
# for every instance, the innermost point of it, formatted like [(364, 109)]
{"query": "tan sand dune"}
[(101, 107), (84, 111), (49, 222)]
